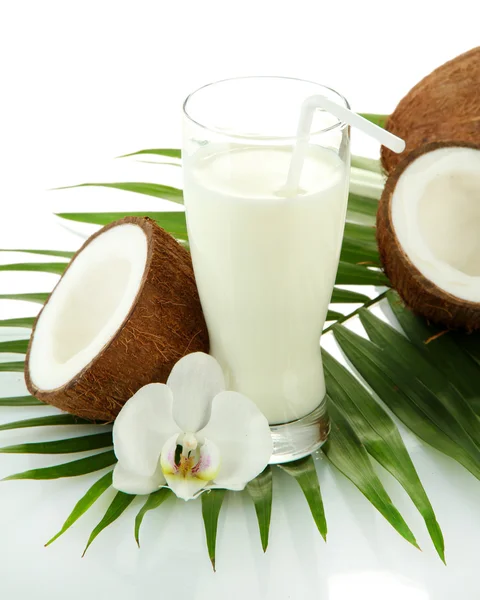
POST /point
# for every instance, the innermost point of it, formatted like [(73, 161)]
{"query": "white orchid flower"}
[(190, 434)]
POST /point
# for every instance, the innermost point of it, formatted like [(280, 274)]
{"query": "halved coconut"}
[(443, 106), (428, 233), (124, 312)]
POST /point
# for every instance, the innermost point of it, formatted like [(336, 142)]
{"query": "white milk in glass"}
[(265, 265)]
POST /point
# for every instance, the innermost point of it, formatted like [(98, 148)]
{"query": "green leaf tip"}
[(38, 297), (156, 190), (14, 346), (380, 120), (169, 152), (260, 490), (12, 367), (73, 468), (21, 401), (408, 397), (118, 506), (91, 496), (22, 322), (305, 473), (51, 420), (346, 452), (60, 253), (211, 504), (57, 268), (94, 441), (153, 501), (377, 431)]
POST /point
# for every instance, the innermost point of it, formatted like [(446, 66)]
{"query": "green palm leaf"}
[(67, 446), (381, 438), (470, 342), (362, 205), (12, 367), (51, 420), (39, 298), (358, 252), (342, 296), (14, 346), (74, 468), (173, 222), (21, 401), (366, 184), (443, 350), (211, 504), (367, 164), (153, 502), (413, 405), (346, 452), (361, 233), (149, 189), (260, 490), (380, 120), (61, 253), (43, 267), (91, 496), (169, 152), (305, 473), (415, 363), (26, 322), (118, 506), (333, 315), (349, 274)]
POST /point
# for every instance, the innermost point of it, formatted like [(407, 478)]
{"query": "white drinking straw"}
[(309, 106)]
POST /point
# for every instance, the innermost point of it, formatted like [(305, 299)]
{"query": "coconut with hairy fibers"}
[(444, 106), (428, 233), (124, 312)]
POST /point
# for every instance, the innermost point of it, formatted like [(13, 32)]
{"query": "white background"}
[(84, 81)]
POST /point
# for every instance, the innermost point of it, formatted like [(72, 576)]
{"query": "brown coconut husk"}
[(165, 323), (444, 106), (421, 295)]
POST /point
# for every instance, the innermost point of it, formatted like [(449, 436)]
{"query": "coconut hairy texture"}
[(444, 106), (162, 322), (431, 300)]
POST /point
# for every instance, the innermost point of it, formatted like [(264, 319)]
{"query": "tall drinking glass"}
[(264, 257)]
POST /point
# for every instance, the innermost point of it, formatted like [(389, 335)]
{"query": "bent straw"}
[(309, 106)]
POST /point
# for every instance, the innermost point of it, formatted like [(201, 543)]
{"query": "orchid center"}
[(188, 464)]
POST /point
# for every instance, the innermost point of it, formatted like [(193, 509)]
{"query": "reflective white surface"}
[(86, 81), (363, 557)]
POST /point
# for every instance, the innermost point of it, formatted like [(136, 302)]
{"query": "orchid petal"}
[(243, 437), (131, 482), (141, 428), (186, 488), (167, 457), (195, 380), (209, 463)]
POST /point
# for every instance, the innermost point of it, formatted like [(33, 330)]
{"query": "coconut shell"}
[(165, 322), (444, 106), (421, 295)]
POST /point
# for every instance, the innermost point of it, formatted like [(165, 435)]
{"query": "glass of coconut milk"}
[(265, 256)]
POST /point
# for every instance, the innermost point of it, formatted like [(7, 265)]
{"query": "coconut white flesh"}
[(436, 216), (88, 306)]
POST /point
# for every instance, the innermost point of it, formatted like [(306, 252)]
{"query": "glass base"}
[(300, 438)]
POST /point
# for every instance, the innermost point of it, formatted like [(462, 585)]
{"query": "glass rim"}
[(338, 125)]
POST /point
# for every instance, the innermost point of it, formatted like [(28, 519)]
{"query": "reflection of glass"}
[(265, 260)]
